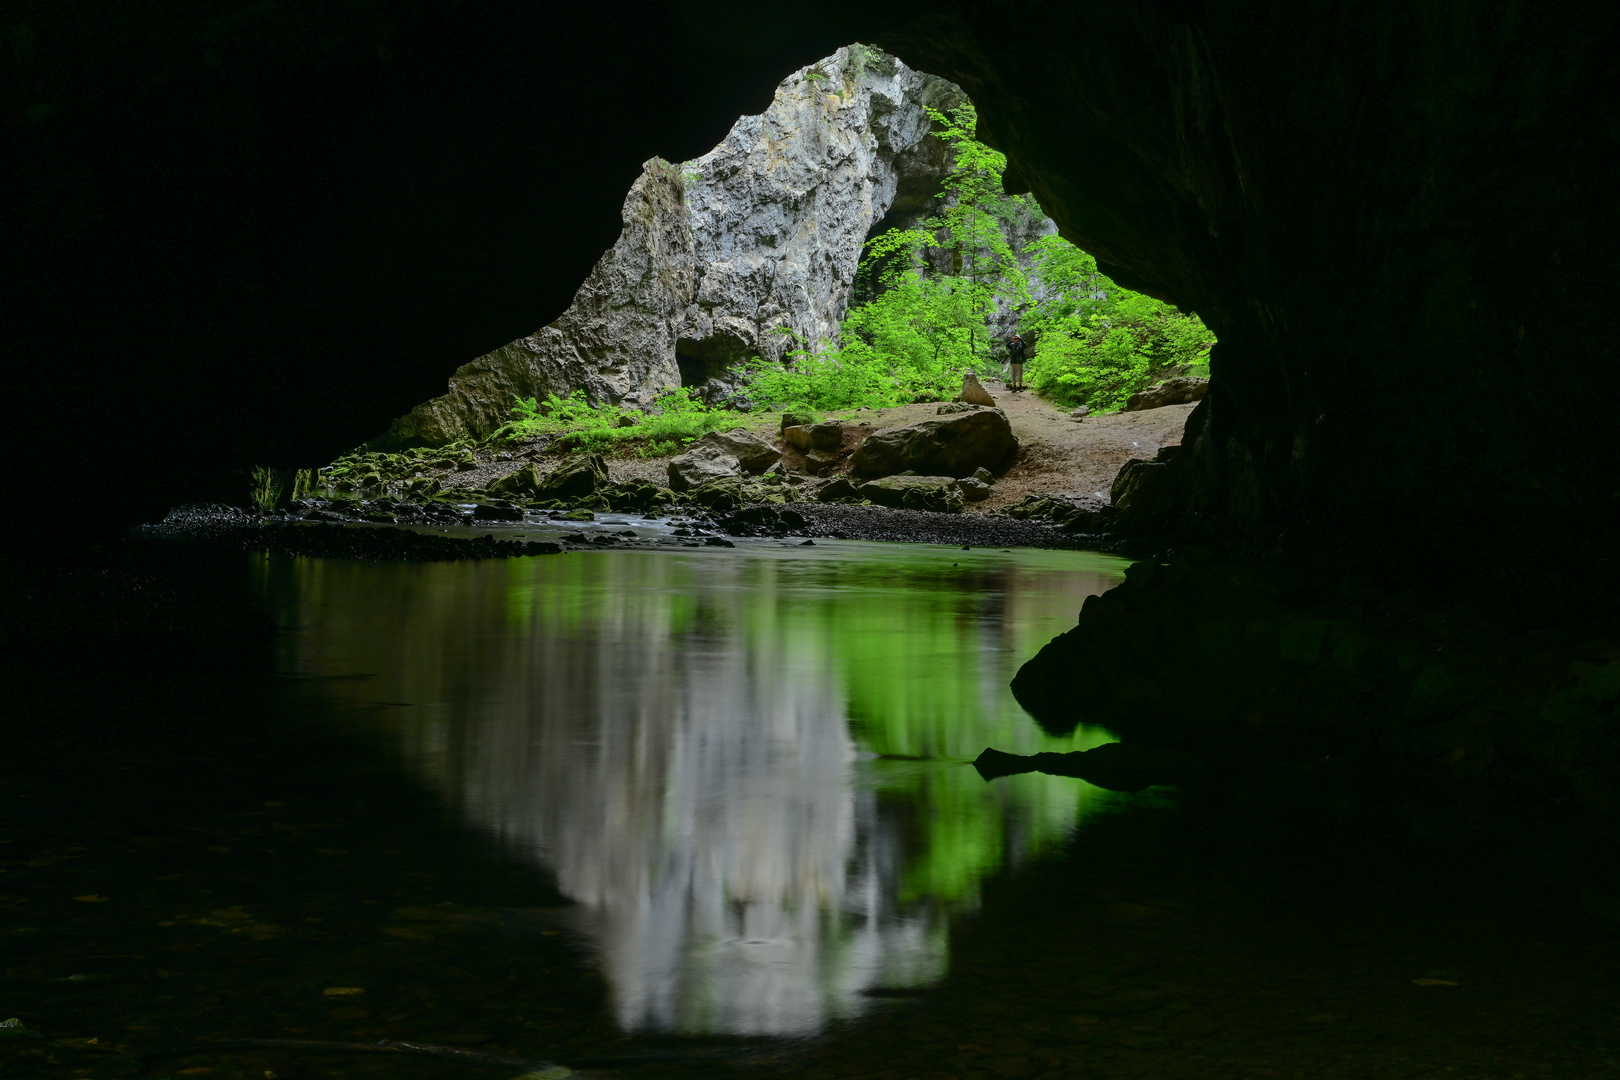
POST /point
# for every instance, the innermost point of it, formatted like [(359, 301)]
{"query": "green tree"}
[(1099, 343)]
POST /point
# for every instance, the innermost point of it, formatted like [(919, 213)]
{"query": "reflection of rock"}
[(1115, 766), (949, 446), (669, 738)]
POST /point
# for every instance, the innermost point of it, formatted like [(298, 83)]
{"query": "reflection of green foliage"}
[(919, 661)]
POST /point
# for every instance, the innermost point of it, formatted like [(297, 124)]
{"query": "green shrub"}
[(676, 420)]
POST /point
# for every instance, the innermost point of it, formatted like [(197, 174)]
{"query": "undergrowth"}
[(675, 419)]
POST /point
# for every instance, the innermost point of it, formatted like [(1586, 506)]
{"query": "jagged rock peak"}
[(720, 255)]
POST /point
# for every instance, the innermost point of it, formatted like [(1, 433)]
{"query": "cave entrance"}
[(711, 367)]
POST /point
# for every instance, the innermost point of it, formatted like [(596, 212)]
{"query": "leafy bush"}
[(677, 420), (1096, 343)]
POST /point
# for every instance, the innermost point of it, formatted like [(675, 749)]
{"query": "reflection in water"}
[(747, 766)]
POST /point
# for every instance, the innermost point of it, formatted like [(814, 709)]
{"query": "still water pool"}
[(748, 768), (709, 813)]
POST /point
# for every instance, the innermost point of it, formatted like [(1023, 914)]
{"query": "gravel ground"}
[(922, 527)]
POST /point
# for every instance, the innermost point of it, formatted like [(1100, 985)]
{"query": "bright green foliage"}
[(917, 337), (677, 420), (1098, 343), (1095, 342)]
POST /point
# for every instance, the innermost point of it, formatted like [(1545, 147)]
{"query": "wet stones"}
[(939, 494), (573, 479)]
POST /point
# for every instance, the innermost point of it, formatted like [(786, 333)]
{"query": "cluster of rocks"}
[(736, 481), (1070, 515)]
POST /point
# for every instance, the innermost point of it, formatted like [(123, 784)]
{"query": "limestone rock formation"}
[(571, 480), (951, 446), (726, 257)]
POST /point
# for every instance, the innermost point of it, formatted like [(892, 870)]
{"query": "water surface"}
[(747, 767)]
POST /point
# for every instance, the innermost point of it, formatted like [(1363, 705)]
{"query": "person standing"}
[(1015, 350)]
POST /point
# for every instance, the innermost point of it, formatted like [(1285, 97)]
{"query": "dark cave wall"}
[(1396, 216)]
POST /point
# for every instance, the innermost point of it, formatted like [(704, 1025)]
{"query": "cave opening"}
[(710, 367)]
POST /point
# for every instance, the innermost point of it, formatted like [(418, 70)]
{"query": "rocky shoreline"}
[(322, 529)]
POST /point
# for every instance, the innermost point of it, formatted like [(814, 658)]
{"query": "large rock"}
[(719, 456), (827, 435), (1180, 391), (763, 232), (950, 446), (974, 393), (1150, 487), (940, 494), (573, 479)]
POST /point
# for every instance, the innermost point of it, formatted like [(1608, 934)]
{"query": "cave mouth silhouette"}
[(369, 212)]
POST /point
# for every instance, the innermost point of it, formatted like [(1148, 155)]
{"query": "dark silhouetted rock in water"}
[(486, 512), (1180, 391), (949, 446), (1115, 766)]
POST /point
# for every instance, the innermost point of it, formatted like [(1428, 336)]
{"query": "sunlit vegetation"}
[(676, 419), (931, 295)]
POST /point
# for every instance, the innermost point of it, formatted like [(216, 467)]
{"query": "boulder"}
[(795, 420), (488, 512), (719, 456), (938, 493), (984, 476), (836, 490), (948, 446), (753, 453), (571, 480), (973, 490), (1080, 412), (1179, 391), (641, 495), (974, 393), (827, 435), (1146, 487)]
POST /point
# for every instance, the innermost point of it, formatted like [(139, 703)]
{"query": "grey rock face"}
[(1180, 391), (952, 445), (721, 255)]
